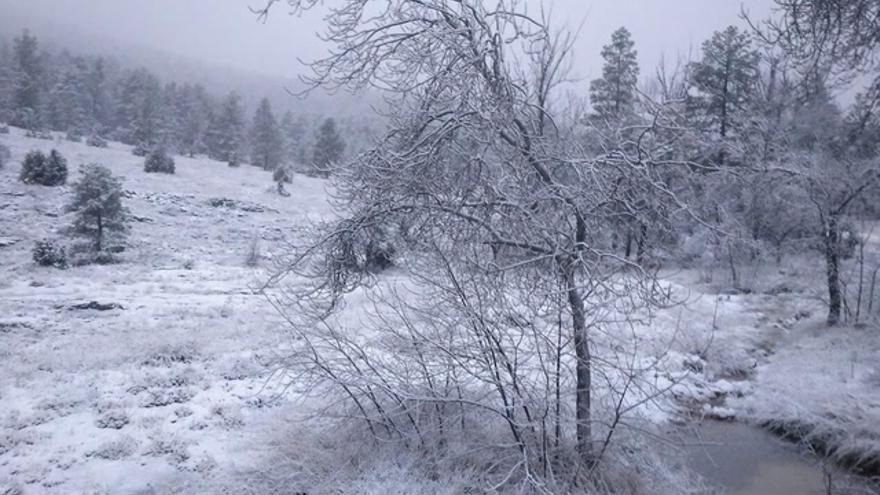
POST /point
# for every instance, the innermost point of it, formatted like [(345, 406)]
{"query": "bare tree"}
[(506, 217)]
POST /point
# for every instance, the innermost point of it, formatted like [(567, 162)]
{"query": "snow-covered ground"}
[(168, 392)]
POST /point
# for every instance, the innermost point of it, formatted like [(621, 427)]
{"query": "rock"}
[(8, 241), (96, 306)]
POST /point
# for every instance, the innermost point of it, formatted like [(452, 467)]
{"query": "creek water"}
[(746, 460)]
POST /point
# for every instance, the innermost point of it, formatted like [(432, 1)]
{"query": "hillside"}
[(168, 387), (170, 390)]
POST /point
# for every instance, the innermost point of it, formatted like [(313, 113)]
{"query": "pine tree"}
[(294, 130), (138, 109), (197, 111), (725, 79), (7, 83), (267, 144), (226, 133), (613, 95), (68, 108), (97, 203), (329, 147), (170, 118), (28, 67), (99, 104)]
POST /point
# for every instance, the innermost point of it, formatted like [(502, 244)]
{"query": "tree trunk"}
[(100, 235), (832, 262), (583, 371), (640, 243), (629, 242)]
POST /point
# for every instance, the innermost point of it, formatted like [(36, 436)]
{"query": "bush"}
[(47, 253), (96, 142), (4, 129), (282, 174), (5, 155), (159, 161), (140, 150), (38, 168), (73, 136)]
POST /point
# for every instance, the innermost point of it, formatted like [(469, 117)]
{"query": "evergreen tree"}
[(138, 108), (68, 107), (329, 147), (170, 118), (725, 79), (196, 114), (613, 95), (28, 67), (226, 133), (97, 203), (267, 144), (7, 82), (294, 130), (98, 97)]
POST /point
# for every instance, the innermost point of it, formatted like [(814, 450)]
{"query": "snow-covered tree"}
[(226, 134), (724, 80), (29, 71), (613, 96), (294, 131), (266, 140), (99, 214), (329, 147)]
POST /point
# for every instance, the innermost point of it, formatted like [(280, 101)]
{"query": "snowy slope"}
[(168, 390)]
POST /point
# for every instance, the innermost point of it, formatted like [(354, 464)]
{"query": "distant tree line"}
[(98, 98)]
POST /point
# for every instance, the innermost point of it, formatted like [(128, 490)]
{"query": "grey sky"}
[(225, 32)]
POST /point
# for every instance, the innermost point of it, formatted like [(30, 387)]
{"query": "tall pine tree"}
[(267, 144), (226, 133), (28, 74), (613, 95), (725, 79), (329, 147)]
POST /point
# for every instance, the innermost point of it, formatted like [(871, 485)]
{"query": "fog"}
[(227, 33)]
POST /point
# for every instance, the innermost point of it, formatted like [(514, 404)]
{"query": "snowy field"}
[(166, 391)]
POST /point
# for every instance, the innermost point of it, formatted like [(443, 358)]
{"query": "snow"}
[(171, 391)]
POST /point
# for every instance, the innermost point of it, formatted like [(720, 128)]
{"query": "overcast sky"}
[(226, 33)]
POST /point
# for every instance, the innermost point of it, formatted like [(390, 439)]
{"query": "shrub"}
[(38, 168), (73, 136), (253, 255), (4, 155), (140, 150), (159, 161), (282, 174), (96, 142), (4, 129), (48, 253)]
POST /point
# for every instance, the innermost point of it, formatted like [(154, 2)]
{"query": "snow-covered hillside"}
[(168, 389)]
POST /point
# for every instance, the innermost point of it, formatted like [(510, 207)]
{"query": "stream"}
[(746, 460)]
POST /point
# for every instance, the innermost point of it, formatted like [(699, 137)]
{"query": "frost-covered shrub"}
[(48, 253), (38, 168), (116, 449), (159, 161), (112, 419), (96, 142), (73, 136), (253, 256), (282, 174), (140, 150), (168, 355)]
